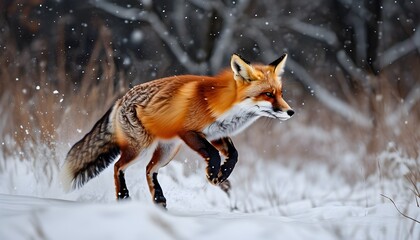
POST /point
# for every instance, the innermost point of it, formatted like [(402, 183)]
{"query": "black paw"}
[(213, 179), (123, 194), (213, 175), (160, 201), (224, 173)]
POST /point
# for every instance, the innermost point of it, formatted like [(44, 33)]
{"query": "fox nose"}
[(290, 112)]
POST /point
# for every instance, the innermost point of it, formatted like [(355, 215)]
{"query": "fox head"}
[(260, 87)]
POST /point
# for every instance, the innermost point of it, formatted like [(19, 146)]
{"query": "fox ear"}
[(279, 65), (241, 68)]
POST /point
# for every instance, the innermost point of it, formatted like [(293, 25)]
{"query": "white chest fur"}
[(233, 121)]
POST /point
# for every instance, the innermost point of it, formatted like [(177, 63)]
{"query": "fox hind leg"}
[(161, 156), (121, 189)]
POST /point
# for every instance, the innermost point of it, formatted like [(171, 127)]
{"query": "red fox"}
[(154, 118)]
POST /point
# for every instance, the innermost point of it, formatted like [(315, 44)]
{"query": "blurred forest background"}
[(352, 76)]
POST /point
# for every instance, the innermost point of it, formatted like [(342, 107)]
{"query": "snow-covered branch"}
[(208, 5), (225, 39), (357, 9), (357, 73), (316, 32), (409, 102), (173, 44), (159, 28), (400, 49), (132, 14)]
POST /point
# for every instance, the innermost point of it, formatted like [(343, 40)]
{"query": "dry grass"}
[(42, 103)]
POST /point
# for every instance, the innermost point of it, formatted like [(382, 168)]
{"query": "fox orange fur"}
[(154, 118)]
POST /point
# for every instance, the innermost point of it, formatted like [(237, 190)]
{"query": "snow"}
[(267, 201), (29, 217)]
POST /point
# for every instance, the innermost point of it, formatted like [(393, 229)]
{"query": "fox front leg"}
[(197, 142), (226, 147)]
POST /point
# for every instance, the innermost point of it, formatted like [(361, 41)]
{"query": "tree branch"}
[(403, 214), (159, 28), (224, 41), (208, 5), (173, 44), (409, 102), (357, 73), (319, 33), (399, 50)]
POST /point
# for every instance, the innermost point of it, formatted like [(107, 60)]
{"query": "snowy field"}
[(270, 199)]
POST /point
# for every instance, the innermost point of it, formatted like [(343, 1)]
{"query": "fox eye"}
[(269, 94)]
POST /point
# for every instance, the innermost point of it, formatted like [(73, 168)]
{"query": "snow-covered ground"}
[(269, 200), (34, 218)]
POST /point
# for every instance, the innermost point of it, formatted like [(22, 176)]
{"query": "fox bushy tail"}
[(91, 155)]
